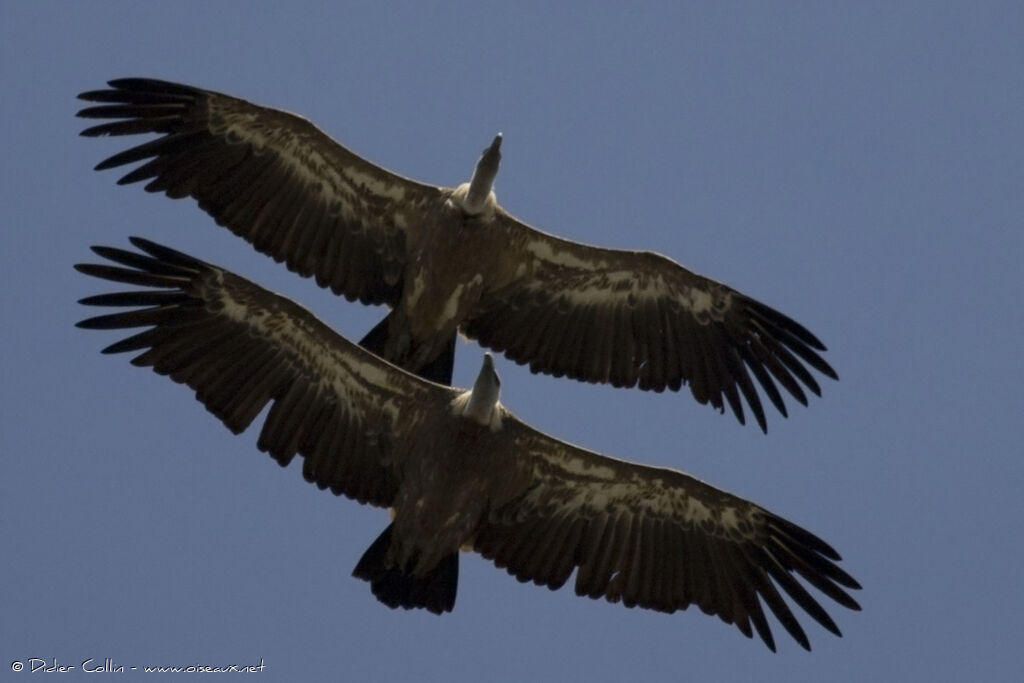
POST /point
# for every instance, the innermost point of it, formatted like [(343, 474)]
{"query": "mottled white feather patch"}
[(700, 301), (610, 288), (308, 164), (375, 185), (543, 250), (583, 468), (451, 305)]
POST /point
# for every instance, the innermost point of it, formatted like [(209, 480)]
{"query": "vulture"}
[(449, 260), (456, 467)]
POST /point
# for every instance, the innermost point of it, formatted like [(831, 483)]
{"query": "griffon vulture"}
[(459, 470), (448, 260)]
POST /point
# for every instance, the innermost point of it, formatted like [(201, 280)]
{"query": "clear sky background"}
[(859, 166)]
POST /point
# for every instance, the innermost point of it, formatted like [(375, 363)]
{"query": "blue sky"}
[(858, 166)]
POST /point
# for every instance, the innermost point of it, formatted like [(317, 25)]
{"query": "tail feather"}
[(397, 587), (438, 370), (377, 338)]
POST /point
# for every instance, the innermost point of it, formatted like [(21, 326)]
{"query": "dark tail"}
[(438, 370), (376, 338), (398, 588)]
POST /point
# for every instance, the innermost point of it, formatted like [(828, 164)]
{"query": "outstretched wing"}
[(270, 177), (631, 318), (654, 538), (239, 347)]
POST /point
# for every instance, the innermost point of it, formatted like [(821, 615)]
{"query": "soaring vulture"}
[(448, 260), (459, 470)]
